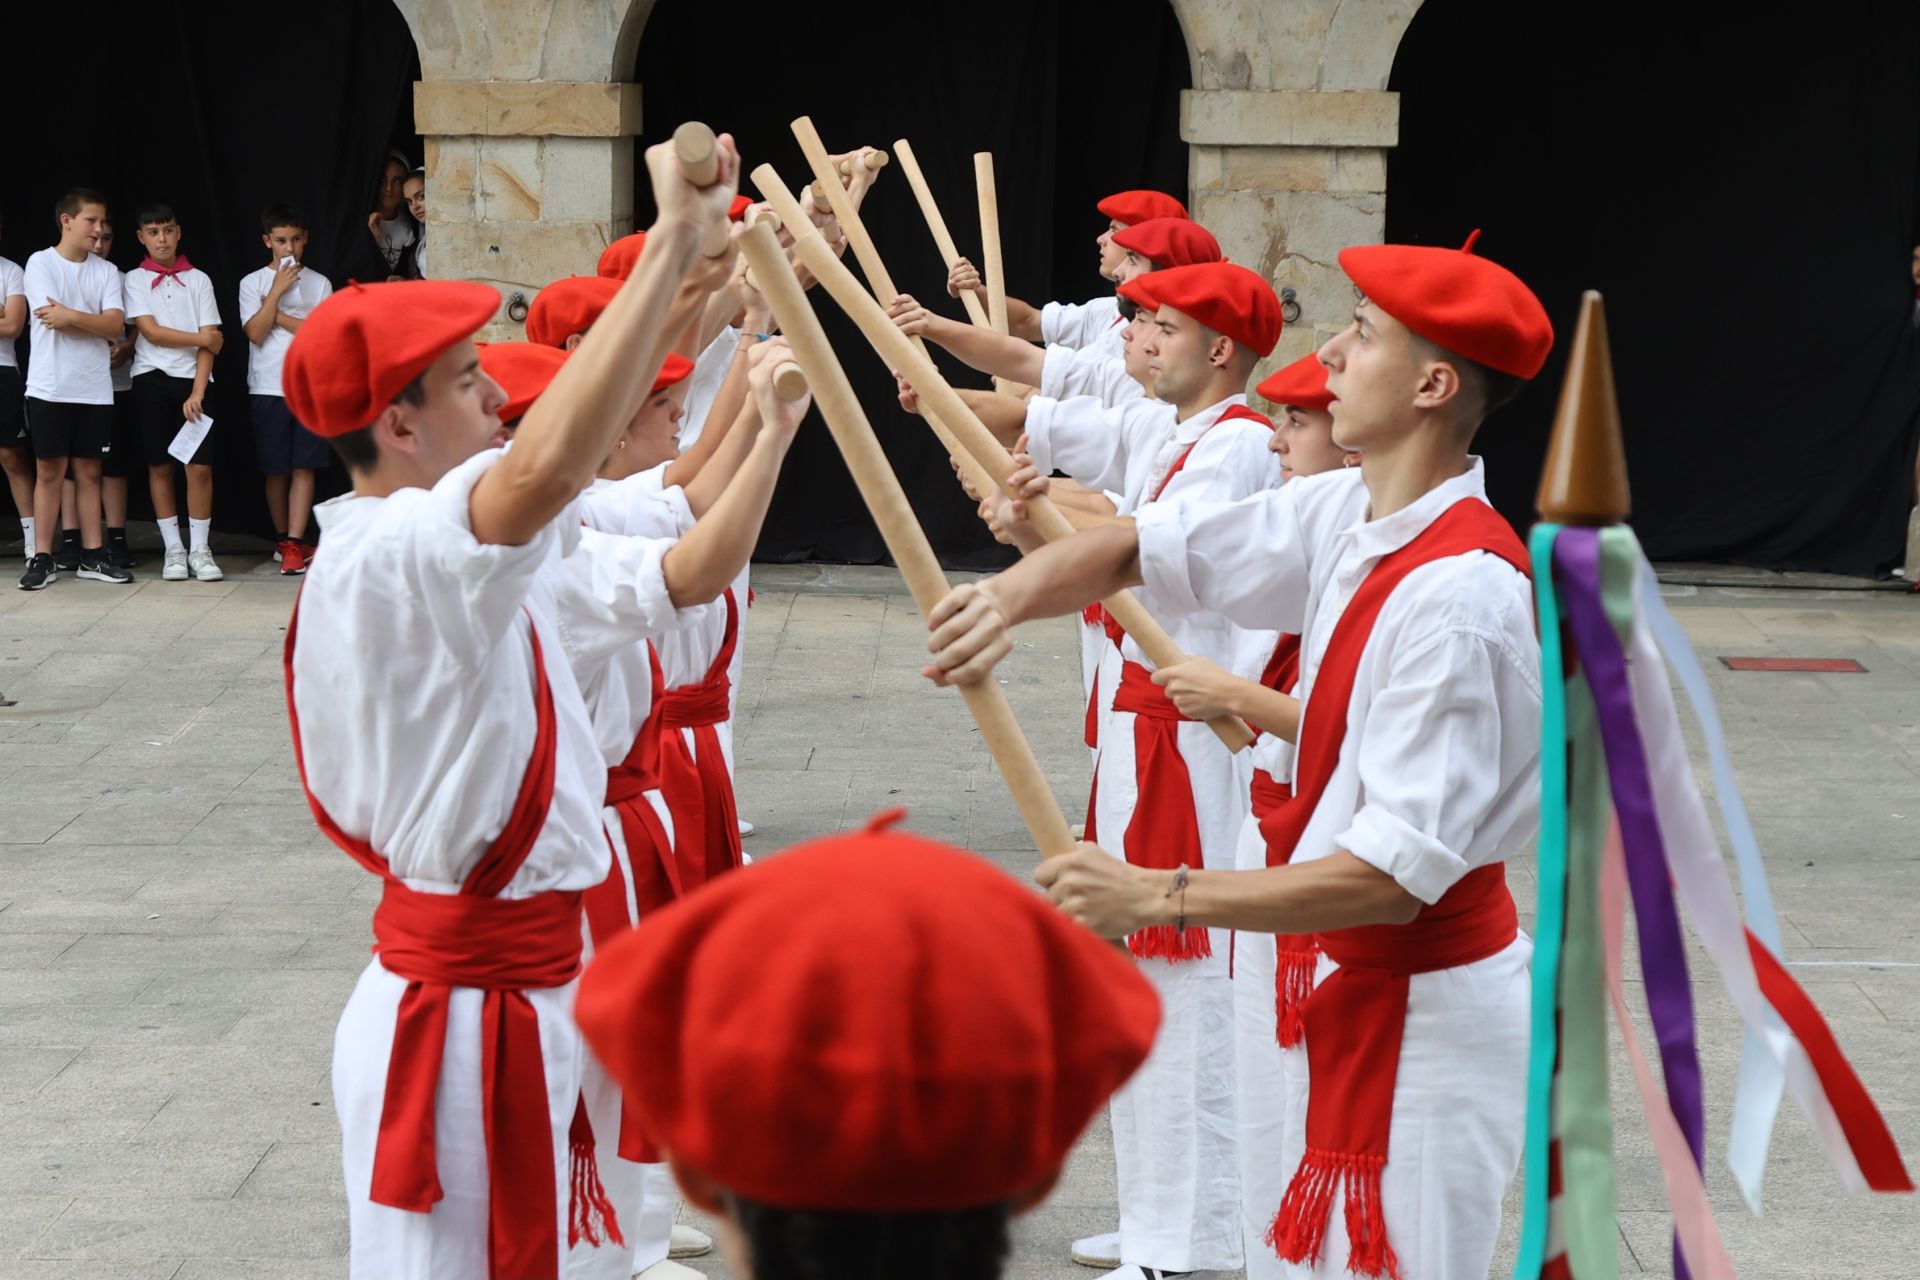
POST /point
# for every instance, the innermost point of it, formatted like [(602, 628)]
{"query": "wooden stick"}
[(698, 152), (972, 438), (789, 381), (990, 262), (942, 238), (905, 539)]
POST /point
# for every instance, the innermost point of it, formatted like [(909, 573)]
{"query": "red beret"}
[(567, 307), (363, 345), (1456, 300), (617, 259), (738, 209), (1226, 298), (523, 370), (1169, 242), (674, 370), (1129, 207), (1302, 384), (871, 1022)]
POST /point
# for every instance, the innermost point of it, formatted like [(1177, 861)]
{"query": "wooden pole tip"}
[(1584, 481), (789, 382), (875, 159), (698, 153)]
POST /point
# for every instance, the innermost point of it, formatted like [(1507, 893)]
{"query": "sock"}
[(26, 532), (116, 535), (70, 536), (198, 529), (170, 532)]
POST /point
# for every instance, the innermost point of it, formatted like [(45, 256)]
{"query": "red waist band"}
[(693, 705), (1473, 920)]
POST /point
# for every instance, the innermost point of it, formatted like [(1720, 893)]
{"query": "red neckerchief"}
[(179, 268)]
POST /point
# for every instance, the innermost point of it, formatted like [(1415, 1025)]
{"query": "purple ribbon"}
[(1663, 954)]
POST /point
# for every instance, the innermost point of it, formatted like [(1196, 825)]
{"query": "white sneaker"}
[(1133, 1272), (688, 1242), (746, 828), (1098, 1251), (668, 1269), (174, 568), (204, 569)]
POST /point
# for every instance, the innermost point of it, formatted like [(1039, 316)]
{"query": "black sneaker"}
[(95, 564), (118, 551), (67, 554), (41, 570)]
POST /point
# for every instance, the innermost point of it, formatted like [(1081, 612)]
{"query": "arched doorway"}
[(1076, 99), (1744, 193)]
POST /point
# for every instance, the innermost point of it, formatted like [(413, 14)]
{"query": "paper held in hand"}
[(187, 440)]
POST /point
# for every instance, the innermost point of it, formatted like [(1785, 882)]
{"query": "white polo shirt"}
[(12, 285), (264, 359), (68, 366), (184, 302), (1078, 324)]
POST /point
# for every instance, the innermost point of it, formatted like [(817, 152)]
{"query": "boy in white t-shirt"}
[(15, 458), (177, 322), (273, 302), (75, 300)]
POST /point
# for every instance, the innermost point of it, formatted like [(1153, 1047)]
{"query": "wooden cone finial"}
[(1585, 479)]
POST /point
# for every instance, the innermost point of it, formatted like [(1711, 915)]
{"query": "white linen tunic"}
[(1438, 774), (1099, 370), (413, 678), (1174, 1123), (1077, 324)]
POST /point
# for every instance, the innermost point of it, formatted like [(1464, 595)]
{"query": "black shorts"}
[(63, 430), (280, 443), (13, 422), (122, 457), (157, 399)]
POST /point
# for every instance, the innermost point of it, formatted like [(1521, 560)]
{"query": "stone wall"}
[(530, 124)]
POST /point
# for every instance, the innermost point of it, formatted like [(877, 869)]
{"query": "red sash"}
[(1354, 1020), (1297, 954), (1233, 411), (656, 876), (504, 947), (706, 823)]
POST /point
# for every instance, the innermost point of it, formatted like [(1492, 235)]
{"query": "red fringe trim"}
[(590, 1215), (1160, 942), (1295, 984), (1299, 1230)]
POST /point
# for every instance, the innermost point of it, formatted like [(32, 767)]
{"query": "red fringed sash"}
[(699, 794), (1354, 1020), (1164, 831)]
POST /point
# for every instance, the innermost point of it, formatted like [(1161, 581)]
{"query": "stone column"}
[(1288, 125), (529, 127)]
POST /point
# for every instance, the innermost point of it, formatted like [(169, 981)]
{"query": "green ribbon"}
[(1549, 916)]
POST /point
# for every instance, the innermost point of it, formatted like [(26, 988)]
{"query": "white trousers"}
[(450, 1243)]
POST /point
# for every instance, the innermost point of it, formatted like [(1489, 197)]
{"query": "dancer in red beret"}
[(1417, 774), (912, 1071), (444, 743)]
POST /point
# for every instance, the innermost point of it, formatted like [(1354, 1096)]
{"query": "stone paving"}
[(176, 939)]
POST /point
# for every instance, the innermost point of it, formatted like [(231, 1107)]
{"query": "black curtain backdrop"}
[(1075, 99), (1743, 191), (223, 116)]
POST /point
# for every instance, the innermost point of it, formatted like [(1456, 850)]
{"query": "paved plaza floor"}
[(176, 938)]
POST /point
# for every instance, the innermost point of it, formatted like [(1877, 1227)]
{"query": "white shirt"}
[(264, 359), (12, 285), (1066, 372), (413, 677), (420, 251), (703, 384), (1439, 771), (184, 302), (69, 366), (1077, 324), (396, 233)]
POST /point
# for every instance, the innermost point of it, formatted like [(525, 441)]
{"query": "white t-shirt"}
[(184, 302), (396, 233), (1077, 324), (265, 358), (68, 366), (420, 252), (12, 284)]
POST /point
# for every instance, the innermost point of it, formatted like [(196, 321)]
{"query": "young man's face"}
[(651, 438), (461, 413), (1110, 253), (161, 241), (1179, 350), (1303, 441), (388, 195), (415, 190), (85, 227), (1131, 267), (1133, 345), (102, 242), (285, 242), (1374, 372)]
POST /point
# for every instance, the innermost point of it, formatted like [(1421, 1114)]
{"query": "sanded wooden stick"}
[(973, 438), (990, 263), (789, 380), (942, 237), (905, 539), (698, 152)]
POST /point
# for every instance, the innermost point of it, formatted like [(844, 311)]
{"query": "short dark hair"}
[(69, 203), (281, 215), (1489, 388), (806, 1244), (154, 211), (357, 450)]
